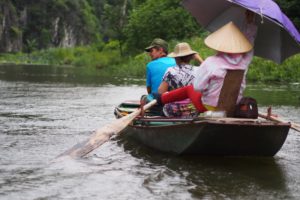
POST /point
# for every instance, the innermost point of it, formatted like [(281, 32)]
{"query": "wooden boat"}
[(206, 135)]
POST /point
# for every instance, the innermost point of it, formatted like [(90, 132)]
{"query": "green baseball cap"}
[(157, 42)]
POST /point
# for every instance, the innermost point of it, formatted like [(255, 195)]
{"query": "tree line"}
[(132, 23)]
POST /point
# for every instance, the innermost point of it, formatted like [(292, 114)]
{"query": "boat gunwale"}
[(144, 120), (187, 122)]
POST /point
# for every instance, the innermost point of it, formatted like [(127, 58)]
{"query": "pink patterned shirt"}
[(210, 75)]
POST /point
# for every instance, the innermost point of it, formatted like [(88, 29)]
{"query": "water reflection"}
[(273, 94), (217, 177), (67, 74)]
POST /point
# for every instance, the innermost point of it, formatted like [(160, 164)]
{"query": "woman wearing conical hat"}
[(233, 51)]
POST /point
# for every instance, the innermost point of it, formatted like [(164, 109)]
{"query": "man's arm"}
[(164, 86), (149, 89), (148, 78)]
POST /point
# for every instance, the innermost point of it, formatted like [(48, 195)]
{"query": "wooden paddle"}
[(294, 126), (103, 134)]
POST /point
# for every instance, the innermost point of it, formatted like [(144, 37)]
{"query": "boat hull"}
[(212, 138), (206, 136)]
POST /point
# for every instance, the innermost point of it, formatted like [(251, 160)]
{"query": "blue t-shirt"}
[(155, 71)]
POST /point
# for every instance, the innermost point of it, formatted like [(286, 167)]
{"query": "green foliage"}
[(268, 71), (106, 57), (45, 37), (132, 66), (49, 22), (88, 17), (156, 18), (137, 3), (113, 18), (15, 31), (111, 45), (56, 56), (30, 46), (87, 56), (90, 58), (291, 9)]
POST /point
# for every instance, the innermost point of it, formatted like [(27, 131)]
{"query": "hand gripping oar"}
[(294, 126), (103, 134)]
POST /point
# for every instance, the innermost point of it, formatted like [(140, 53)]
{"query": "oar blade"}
[(102, 135), (83, 148), (295, 126)]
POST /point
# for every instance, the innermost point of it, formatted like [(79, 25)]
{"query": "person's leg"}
[(183, 93), (175, 95), (195, 97)]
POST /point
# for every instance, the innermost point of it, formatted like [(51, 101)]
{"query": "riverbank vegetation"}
[(110, 35), (108, 60)]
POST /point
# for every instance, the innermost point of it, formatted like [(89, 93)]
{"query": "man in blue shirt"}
[(158, 51)]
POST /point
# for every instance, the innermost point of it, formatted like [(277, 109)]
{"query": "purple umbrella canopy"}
[(277, 38)]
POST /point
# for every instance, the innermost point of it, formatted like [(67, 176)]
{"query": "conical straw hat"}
[(182, 49), (228, 39)]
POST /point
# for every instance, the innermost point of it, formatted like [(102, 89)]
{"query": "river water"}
[(43, 114)]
